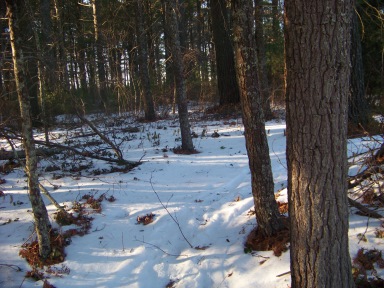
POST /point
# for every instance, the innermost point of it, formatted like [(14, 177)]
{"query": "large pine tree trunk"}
[(178, 68), (143, 62), (317, 35), (225, 62), (357, 105), (267, 214), (39, 211)]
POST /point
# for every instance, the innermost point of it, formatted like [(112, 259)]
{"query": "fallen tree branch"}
[(49, 196), (357, 179), (60, 148), (16, 154), (364, 210), (102, 137)]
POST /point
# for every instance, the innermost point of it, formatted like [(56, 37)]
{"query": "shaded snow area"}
[(207, 194)]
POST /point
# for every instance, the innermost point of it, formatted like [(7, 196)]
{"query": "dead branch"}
[(102, 136), (356, 180), (49, 196), (364, 210), (20, 154), (5, 155)]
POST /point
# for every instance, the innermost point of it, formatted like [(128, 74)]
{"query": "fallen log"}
[(9, 155)]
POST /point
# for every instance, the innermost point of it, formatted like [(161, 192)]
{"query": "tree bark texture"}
[(225, 62), (317, 39), (178, 68), (267, 213), (39, 210), (357, 105), (142, 40), (262, 59)]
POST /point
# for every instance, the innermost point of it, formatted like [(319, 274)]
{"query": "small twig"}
[(278, 158), (22, 282), (165, 252), (30, 236), (257, 255), (97, 229), (14, 267), (166, 209), (122, 240), (169, 200), (365, 232), (226, 276), (283, 274)]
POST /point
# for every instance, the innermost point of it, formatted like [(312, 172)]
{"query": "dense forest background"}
[(115, 56), (321, 59)]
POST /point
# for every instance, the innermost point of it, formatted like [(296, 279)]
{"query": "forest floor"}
[(173, 221)]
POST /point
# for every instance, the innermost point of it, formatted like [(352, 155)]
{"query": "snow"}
[(208, 194)]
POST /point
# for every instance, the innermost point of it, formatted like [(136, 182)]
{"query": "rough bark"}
[(317, 37), (225, 62), (357, 105), (142, 40), (178, 68), (39, 211), (267, 214), (262, 59)]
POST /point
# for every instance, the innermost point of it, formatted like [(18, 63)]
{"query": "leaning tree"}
[(267, 214), (38, 207)]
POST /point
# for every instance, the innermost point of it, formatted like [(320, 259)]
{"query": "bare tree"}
[(39, 210), (317, 37)]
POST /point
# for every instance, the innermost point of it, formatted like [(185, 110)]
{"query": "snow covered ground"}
[(208, 194)]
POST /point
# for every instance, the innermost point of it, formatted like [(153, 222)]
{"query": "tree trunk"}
[(99, 53), (178, 68), (80, 53), (60, 48), (149, 109), (317, 37), (47, 45), (357, 105), (267, 213), (262, 59), (39, 211), (225, 62), (169, 74)]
